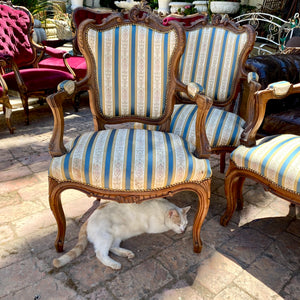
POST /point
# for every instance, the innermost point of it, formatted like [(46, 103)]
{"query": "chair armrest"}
[(277, 90), (195, 93), (66, 90), (54, 52)]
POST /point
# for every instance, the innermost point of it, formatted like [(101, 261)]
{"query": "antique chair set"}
[(135, 67)]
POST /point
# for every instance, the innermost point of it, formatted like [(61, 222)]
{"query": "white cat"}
[(112, 223)]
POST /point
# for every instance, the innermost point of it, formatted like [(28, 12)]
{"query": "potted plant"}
[(179, 6), (224, 7)]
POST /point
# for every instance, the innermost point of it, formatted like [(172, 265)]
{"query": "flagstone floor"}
[(257, 256)]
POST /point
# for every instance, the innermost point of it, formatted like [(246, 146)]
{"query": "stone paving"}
[(257, 256)]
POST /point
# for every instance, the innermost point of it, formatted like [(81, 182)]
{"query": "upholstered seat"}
[(132, 77), (276, 158), (154, 160), (223, 129), (273, 162)]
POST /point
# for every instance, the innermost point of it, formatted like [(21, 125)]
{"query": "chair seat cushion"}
[(77, 63), (129, 160), (276, 158), (222, 128), (38, 79)]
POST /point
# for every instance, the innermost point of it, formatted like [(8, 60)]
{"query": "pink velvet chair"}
[(16, 42)]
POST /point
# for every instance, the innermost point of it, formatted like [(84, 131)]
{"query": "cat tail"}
[(76, 251)]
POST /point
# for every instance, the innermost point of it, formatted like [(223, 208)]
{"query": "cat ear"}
[(186, 209), (172, 212)]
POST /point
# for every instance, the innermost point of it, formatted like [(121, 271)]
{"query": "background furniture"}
[(132, 67), (16, 43), (274, 161)]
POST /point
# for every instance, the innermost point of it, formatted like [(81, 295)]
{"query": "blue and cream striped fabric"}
[(222, 128), (211, 59), (275, 158), (129, 159), (132, 63)]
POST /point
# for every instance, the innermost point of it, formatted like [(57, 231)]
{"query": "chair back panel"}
[(132, 63), (212, 58), (15, 27)]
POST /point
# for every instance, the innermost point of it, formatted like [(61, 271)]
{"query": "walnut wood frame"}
[(137, 15), (236, 176)]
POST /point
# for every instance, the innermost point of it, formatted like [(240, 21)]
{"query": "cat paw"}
[(115, 266), (130, 255)]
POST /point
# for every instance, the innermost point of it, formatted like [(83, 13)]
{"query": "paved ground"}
[(256, 257)]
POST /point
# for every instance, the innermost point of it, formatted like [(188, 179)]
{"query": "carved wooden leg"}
[(222, 162), (232, 184), (26, 109), (57, 210), (204, 198), (7, 109), (239, 190)]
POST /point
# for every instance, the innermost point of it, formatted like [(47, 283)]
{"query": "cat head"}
[(176, 219)]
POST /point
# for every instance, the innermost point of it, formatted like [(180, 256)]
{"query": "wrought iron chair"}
[(4, 100), (132, 69), (274, 161), (16, 42)]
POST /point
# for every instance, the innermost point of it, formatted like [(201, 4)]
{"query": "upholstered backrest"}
[(214, 57), (15, 26), (132, 69)]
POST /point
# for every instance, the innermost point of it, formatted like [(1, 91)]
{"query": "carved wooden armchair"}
[(132, 69), (274, 161), (4, 100), (16, 42), (215, 57)]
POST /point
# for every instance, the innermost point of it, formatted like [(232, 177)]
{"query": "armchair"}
[(132, 76), (16, 42), (215, 57), (273, 162)]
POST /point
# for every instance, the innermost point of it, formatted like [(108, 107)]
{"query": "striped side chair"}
[(274, 161), (132, 76), (215, 57)]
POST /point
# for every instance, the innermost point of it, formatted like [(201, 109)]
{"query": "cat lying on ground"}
[(112, 223)]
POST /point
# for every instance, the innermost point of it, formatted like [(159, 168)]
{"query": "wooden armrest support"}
[(66, 90), (204, 103), (258, 103)]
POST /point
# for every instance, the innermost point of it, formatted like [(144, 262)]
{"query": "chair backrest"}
[(215, 56), (16, 24), (132, 64)]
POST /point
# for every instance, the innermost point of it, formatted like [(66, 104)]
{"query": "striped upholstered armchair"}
[(132, 76), (215, 57), (273, 162)]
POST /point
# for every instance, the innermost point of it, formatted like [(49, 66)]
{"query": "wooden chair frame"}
[(137, 15), (236, 176)]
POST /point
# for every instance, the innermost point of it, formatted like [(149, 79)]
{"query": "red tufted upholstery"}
[(15, 26), (16, 44)]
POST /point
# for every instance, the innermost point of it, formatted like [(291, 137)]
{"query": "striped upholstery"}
[(129, 159), (276, 158), (222, 128), (132, 63), (211, 59)]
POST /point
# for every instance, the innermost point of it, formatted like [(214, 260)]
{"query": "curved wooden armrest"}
[(204, 103), (66, 90), (259, 103)]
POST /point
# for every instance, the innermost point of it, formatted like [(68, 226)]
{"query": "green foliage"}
[(40, 9)]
